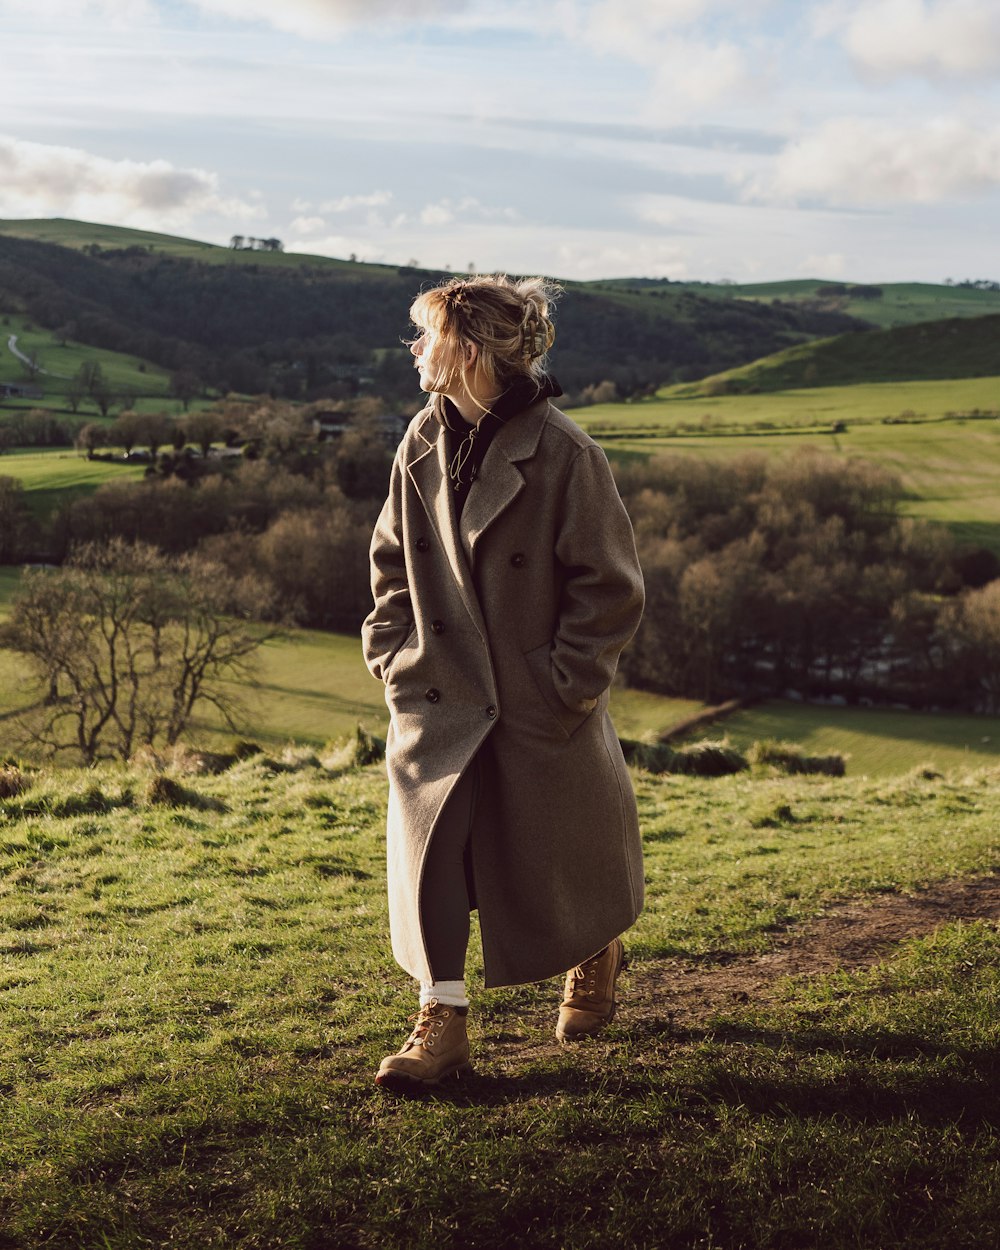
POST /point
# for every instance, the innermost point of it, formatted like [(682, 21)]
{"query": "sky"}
[(752, 140)]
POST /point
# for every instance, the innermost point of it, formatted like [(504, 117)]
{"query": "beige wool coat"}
[(499, 635)]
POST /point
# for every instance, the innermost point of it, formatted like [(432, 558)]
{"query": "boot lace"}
[(583, 979), (424, 1031)]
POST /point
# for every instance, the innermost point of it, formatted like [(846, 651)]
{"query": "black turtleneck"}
[(466, 444)]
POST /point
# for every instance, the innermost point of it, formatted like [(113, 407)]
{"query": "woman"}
[(506, 583)]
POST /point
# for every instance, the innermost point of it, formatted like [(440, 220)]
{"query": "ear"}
[(470, 354)]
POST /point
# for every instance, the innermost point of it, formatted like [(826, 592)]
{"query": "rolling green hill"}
[(900, 303), (951, 349), (296, 324)]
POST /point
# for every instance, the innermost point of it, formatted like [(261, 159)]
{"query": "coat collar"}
[(495, 491)]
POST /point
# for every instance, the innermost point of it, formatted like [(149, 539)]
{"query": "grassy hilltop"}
[(197, 989)]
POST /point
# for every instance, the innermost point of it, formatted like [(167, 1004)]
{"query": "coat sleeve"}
[(602, 597), (390, 621)]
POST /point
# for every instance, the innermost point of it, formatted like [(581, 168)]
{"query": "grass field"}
[(121, 371), (879, 742), (196, 998), (950, 469), (52, 477), (902, 303), (930, 351), (864, 403)]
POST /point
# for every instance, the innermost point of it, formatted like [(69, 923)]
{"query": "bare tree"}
[(203, 429), (125, 645), (90, 437)]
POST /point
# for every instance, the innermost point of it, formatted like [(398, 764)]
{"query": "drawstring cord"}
[(461, 457)]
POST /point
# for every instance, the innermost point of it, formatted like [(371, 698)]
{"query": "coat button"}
[(517, 559), (491, 712), (437, 627), (432, 695), (423, 544)]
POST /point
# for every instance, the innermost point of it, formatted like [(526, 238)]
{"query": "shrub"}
[(359, 749), (787, 757), (241, 749), (12, 781), (699, 759), (164, 791)]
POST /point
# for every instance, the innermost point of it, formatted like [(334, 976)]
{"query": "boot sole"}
[(403, 1083)]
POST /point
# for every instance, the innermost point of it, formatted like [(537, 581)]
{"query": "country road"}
[(26, 360)]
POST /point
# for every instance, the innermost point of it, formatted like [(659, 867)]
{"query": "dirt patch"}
[(667, 998), (847, 936)]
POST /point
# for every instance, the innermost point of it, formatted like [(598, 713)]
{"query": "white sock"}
[(449, 993)]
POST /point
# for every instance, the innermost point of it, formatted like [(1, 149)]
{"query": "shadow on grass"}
[(879, 1075)]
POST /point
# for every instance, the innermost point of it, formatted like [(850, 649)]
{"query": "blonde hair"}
[(508, 321)]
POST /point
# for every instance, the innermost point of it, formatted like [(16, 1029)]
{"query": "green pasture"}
[(198, 987), (902, 303), (314, 686), (806, 408), (52, 477), (878, 742), (950, 469), (121, 371)]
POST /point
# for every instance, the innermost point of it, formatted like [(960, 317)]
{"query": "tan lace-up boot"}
[(589, 997), (438, 1048)]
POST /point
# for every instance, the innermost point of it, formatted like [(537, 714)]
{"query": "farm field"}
[(949, 468), (808, 407), (121, 371), (53, 476), (902, 303), (196, 997), (879, 742)]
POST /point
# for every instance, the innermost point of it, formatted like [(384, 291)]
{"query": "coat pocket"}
[(539, 662), (410, 643)]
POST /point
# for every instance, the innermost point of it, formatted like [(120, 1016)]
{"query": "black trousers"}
[(446, 895)]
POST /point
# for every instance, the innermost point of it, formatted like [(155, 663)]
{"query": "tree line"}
[(763, 576)]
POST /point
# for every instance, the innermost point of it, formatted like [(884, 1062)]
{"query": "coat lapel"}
[(429, 475), (501, 480)]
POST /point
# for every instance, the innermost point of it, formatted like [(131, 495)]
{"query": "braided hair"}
[(508, 320)]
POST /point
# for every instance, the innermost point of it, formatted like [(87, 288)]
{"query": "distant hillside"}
[(887, 305), (955, 348), (300, 326)]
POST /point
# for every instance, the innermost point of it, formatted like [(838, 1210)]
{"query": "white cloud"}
[(824, 265), (345, 203), (308, 225), (855, 160), (937, 38), (447, 210), (114, 13), (336, 245), (329, 18), (38, 180)]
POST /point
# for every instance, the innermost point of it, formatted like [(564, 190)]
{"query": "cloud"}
[(824, 265), (854, 160), (329, 18), (374, 199), (935, 38), (336, 245), (114, 13), (446, 211), (308, 225), (38, 180)]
